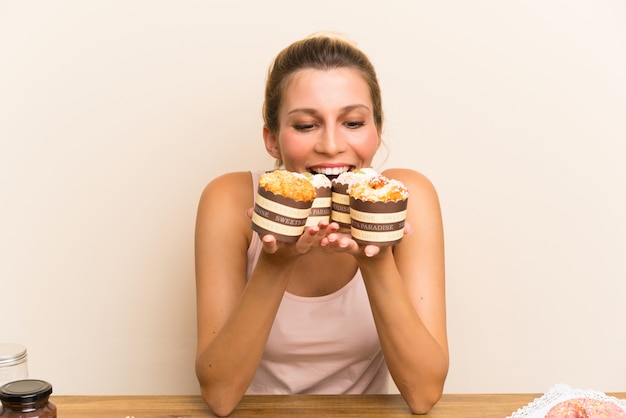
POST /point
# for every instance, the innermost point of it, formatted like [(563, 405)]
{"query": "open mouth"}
[(331, 172)]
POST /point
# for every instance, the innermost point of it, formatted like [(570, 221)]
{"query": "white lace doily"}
[(559, 393)]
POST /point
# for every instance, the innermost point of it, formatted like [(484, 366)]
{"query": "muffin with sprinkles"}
[(378, 210), (282, 204), (340, 200)]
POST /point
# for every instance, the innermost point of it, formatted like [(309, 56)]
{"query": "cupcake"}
[(340, 207), (282, 205), (320, 210), (378, 211)]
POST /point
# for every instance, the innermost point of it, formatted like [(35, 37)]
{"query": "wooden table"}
[(279, 406)]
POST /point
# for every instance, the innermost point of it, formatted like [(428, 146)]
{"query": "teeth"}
[(330, 171)]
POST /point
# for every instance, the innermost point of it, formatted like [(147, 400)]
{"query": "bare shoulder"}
[(423, 212), (229, 190), (237, 184), (418, 184), (224, 202)]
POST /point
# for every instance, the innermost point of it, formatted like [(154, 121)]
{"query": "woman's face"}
[(326, 124)]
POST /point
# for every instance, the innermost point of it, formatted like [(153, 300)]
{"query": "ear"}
[(271, 143)]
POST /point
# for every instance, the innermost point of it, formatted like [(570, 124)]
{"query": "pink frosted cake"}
[(282, 205), (340, 206), (378, 211), (586, 408)]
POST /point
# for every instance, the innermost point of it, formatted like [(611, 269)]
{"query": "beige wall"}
[(115, 114)]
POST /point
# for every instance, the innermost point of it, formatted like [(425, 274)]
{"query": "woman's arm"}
[(235, 316), (406, 288)]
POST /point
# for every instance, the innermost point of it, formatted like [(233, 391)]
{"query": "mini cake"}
[(378, 211), (340, 205), (320, 211), (282, 205), (586, 408)]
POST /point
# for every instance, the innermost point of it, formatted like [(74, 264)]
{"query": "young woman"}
[(323, 315)]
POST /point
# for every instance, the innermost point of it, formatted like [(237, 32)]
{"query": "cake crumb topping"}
[(379, 189), (288, 184)]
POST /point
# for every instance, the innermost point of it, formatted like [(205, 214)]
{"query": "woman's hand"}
[(343, 242), (312, 237), (324, 234)]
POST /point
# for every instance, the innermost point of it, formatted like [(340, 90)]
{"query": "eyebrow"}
[(345, 109)]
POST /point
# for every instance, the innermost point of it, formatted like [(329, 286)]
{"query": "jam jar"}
[(27, 399)]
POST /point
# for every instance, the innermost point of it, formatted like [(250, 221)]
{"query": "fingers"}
[(270, 245), (371, 250), (342, 242), (326, 235), (315, 235), (345, 243), (312, 236)]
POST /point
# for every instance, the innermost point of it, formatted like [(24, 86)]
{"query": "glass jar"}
[(13, 364), (27, 398)]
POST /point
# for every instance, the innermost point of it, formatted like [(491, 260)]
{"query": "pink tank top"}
[(322, 345)]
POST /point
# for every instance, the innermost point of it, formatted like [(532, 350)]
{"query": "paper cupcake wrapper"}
[(320, 210), (378, 223), (340, 205), (280, 216)]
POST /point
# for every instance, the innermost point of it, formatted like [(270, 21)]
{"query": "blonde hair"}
[(323, 51)]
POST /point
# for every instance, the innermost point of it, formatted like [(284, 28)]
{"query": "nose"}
[(330, 142)]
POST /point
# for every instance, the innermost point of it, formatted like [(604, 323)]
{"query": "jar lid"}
[(11, 354), (28, 390)]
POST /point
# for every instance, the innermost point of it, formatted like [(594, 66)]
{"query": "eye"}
[(355, 124), (303, 127)]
